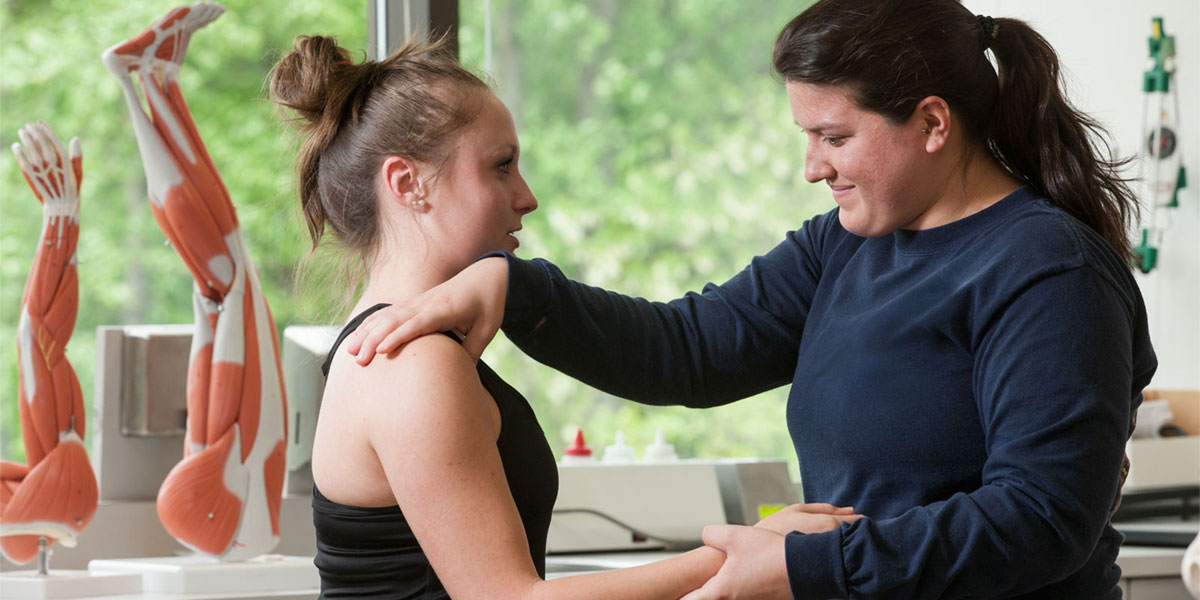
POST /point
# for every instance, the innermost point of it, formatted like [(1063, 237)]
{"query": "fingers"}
[(23, 164), (705, 592), (373, 331), (394, 331), (46, 146), (407, 331), (27, 170), (718, 536), (68, 185), (19, 152), (33, 149), (77, 161), (353, 342), (477, 340), (821, 508), (52, 145), (40, 158)]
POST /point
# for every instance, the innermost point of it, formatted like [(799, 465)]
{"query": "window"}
[(663, 154)]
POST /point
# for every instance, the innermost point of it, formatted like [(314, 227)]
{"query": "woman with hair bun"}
[(432, 476), (965, 343)]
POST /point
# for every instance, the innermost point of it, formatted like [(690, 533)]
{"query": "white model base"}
[(67, 584), (204, 575)]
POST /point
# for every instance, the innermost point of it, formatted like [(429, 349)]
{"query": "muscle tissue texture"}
[(223, 498), (54, 494)]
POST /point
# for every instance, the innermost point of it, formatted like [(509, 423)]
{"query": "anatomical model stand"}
[(222, 500), (53, 496)]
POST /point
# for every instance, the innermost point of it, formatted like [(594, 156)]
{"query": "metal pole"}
[(43, 559)]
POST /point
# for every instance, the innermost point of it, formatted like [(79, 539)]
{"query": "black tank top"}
[(372, 553)]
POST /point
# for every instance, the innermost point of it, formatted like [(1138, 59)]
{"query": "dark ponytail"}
[(1058, 150), (895, 53)]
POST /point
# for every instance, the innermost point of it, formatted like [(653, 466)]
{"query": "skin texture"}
[(223, 498), (55, 494)]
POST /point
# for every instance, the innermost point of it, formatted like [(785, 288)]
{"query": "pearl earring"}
[(417, 203), (925, 130)]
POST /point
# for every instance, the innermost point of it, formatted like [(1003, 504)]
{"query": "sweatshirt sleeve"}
[(727, 342), (1057, 375)]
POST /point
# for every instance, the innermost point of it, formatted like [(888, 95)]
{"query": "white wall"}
[(1102, 46)]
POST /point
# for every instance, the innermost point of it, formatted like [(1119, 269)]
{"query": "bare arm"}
[(436, 443)]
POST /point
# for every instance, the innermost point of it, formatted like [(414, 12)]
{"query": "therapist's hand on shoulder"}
[(755, 566), (471, 302)]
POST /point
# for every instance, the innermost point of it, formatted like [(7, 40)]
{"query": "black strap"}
[(351, 326)]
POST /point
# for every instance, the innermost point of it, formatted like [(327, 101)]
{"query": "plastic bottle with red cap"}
[(578, 453)]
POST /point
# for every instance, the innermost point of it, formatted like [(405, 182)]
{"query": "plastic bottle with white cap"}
[(618, 452), (660, 450)]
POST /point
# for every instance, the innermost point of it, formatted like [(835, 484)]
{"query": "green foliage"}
[(660, 146), (663, 153)]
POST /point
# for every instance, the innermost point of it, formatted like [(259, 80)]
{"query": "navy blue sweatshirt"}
[(968, 388)]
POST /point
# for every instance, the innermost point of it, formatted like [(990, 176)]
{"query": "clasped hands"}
[(755, 565)]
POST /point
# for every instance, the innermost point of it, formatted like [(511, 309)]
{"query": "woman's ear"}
[(402, 182), (932, 116)]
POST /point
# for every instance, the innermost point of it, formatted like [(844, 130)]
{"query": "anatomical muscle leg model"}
[(223, 498), (53, 495)]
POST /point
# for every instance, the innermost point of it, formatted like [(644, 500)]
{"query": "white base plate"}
[(204, 575), (67, 584)]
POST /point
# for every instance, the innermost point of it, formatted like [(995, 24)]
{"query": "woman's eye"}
[(505, 166), (835, 140)]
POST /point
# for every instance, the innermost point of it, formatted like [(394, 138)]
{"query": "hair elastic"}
[(990, 29)]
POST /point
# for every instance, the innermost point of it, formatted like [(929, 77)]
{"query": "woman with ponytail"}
[(965, 343), (432, 476)]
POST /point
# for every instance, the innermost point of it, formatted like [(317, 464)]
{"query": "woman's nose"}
[(526, 202), (816, 168)]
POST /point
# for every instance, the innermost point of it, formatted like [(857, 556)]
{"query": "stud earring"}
[(925, 130), (417, 203)]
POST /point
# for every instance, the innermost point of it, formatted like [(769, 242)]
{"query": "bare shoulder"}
[(435, 351), (433, 359), (429, 382)]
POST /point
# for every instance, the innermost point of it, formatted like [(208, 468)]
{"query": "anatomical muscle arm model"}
[(54, 494), (223, 498)]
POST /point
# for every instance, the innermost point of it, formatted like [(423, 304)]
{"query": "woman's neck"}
[(986, 183), (967, 190), (398, 276)]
